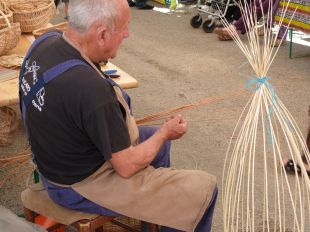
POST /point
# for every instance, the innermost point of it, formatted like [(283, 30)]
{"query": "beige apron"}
[(164, 196)]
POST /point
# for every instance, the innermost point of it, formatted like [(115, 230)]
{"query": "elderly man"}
[(91, 155)]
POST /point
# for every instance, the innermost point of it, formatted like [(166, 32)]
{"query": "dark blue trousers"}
[(68, 198)]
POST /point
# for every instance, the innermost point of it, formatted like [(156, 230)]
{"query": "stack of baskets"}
[(7, 14), (9, 32), (8, 125), (60, 27), (32, 14)]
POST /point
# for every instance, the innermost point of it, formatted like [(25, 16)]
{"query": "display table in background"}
[(300, 20), (9, 89)]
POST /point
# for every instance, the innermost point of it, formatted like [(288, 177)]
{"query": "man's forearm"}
[(133, 159)]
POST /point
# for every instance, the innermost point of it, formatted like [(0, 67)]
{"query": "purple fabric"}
[(282, 32), (240, 25), (163, 157)]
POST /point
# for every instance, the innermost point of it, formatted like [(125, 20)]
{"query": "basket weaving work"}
[(9, 36), (32, 15), (7, 14), (8, 125), (61, 27), (113, 227)]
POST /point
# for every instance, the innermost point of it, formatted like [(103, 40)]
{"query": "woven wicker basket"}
[(130, 222), (32, 15), (7, 14), (40, 31), (9, 36), (8, 125)]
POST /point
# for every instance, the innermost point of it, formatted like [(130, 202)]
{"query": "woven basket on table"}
[(32, 14), (9, 36), (7, 14), (60, 27), (8, 125), (130, 222)]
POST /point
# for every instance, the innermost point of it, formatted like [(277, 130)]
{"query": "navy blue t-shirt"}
[(75, 122)]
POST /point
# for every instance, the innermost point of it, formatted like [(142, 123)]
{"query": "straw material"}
[(32, 14), (7, 14), (8, 125), (40, 31), (113, 227), (265, 134), (15, 167), (9, 36), (11, 61)]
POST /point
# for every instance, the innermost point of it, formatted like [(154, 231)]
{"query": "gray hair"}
[(83, 13)]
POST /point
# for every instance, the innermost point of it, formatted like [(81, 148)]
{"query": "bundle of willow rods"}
[(14, 167), (258, 194)]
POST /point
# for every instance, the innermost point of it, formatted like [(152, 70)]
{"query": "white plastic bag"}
[(9, 222)]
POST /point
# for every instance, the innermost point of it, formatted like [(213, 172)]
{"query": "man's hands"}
[(129, 161), (174, 128)]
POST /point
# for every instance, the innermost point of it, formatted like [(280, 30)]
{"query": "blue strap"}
[(126, 96), (50, 75), (34, 44)]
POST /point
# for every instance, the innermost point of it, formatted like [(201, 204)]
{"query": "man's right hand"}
[(129, 161), (174, 128)]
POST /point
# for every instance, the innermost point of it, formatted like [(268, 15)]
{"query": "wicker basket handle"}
[(3, 5), (6, 19)]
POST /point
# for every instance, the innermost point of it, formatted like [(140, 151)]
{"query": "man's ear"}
[(101, 34)]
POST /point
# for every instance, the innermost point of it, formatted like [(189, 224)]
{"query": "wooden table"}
[(9, 89)]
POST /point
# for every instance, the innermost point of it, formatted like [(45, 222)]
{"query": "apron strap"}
[(50, 75), (47, 76), (125, 95), (34, 44)]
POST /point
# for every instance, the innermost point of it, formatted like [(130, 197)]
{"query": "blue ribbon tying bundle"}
[(264, 81)]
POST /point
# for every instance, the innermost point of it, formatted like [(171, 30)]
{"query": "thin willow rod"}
[(253, 152), (11, 172), (297, 183), (233, 135), (165, 113), (239, 173), (236, 160), (266, 202), (249, 142), (280, 23), (190, 120), (298, 133), (245, 128), (192, 116), (229, 182), (283, 199), (226, 185), (260, 57), (277, 189), (12, 159), (289, 189), (270, 125)]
